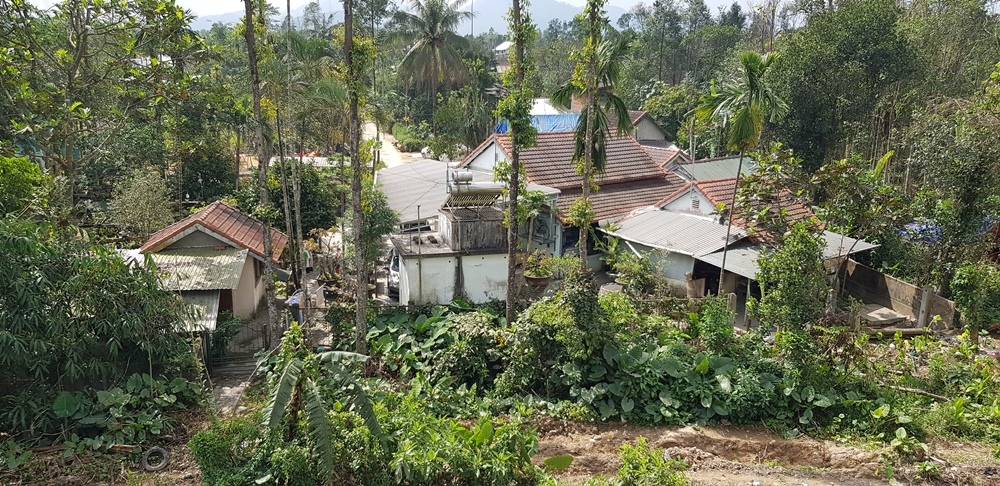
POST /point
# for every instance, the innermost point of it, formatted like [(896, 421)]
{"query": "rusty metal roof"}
[(200, 268)]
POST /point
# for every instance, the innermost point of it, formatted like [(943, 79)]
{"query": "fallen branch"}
[(917, 391)]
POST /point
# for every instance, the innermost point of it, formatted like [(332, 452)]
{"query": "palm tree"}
[(604, 68), (742, 105), (430, 31)]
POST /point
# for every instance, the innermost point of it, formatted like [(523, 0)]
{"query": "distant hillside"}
[(489, 15)]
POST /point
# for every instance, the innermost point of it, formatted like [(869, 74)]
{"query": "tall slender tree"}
[(594, 81), (354, 84), (516, 109), (742, 105), (262, 161)]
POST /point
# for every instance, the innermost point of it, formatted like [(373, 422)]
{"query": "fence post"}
[(925, 304)]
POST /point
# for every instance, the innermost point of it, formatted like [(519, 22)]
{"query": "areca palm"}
[(742, 105), (602, 112), (429, 29)]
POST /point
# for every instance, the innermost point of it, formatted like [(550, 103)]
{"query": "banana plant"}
[(297, 395)]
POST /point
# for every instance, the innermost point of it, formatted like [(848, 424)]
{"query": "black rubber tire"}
[(159, 465)]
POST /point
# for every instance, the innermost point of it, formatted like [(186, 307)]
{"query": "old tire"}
[(157, 464)]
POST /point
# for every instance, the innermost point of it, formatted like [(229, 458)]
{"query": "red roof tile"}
[(635, 115), (631, 179), (721, 191), (226, 221), (620, 199), (663, 156), (550, 161)]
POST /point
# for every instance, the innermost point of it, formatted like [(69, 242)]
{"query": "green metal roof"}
[(200, 268)]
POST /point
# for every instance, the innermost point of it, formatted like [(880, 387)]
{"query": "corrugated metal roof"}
[(200, 268), (707, 170), (203, 310), (838, 245), (741, 260), (742, 257), (687, 234), (423, 183)]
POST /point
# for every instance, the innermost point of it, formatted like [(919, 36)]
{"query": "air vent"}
[(695, 202)]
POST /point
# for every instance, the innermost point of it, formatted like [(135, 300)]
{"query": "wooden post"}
[(925, 304)]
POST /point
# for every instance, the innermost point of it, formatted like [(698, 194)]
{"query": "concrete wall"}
[(442, 279), (684, 202), (248, 292), (647, 129), (874, 287)]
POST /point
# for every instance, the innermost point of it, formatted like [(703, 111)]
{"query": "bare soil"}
[(722, 455), (754, 456)]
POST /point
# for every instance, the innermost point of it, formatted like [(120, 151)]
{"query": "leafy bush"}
[(75, 315), (472, 358), (410, 139), (645, 466)]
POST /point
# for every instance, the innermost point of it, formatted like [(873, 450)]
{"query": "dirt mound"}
[(714, 454)]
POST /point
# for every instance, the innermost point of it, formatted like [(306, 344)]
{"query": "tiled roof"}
[(223, 220), (663, 156), (721, 191), (620, 199), (635, 115), (631, 179), (550, 161)]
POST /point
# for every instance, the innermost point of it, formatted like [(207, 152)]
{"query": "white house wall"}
[(488, 158), (484, 278), (248, 292), (673, 266), (426, 280), (686, 203)]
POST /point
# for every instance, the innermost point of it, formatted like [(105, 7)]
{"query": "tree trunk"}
[(515, 168), (588, 150), (286, 203), (361, 268), (262, 160), (729, 224)]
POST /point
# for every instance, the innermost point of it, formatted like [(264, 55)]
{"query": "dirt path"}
[(389, 154), (745, 456)]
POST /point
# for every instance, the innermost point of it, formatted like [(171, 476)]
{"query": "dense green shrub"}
[(472, 358), (410, 139), (76, 316)]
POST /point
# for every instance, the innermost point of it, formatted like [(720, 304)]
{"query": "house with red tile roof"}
[(631, 180), (685, 234), (215, 259)]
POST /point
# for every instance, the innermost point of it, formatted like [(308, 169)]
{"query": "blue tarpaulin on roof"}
[(547, 123)]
